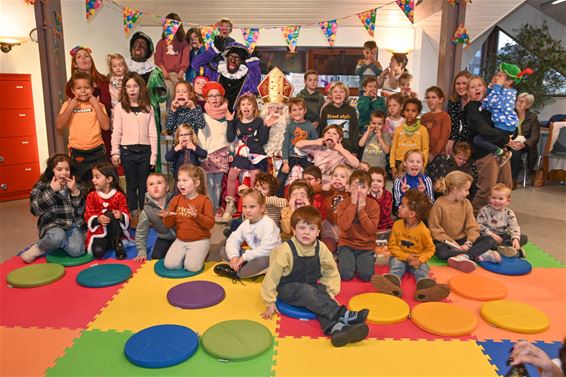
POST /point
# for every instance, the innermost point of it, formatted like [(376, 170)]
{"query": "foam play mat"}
[(65, 329), (383, 309), (61, 257)]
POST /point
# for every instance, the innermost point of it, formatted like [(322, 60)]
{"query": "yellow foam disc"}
[(514, 316), (444, 319), (477, 287), (383, 309)]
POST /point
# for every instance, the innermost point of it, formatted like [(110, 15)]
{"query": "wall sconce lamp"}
[(6, 43)]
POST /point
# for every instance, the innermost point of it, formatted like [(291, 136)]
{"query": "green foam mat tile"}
[(435, 261), (101, 353), (538, 258)]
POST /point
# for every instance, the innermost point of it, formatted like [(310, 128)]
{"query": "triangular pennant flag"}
[(329, 30), (92, 6), (408, 7), (461, 36), (208, 33), (130, 16), (170, 28), (250, 37), (368, 20), (291, 35)]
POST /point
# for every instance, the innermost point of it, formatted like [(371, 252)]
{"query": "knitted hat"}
[(212, 85), (514, 72), (140, 35)]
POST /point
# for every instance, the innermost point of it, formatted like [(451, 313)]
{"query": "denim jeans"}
[(136, 168), (72, 241), (399, 268), (214, 188), (351, 261)]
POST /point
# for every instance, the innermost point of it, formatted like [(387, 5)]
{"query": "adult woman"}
[(456, 102), (196, 44), (82, 61), (528, 135)]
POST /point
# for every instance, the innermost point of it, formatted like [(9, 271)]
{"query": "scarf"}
[(217, 113), (410, 130)]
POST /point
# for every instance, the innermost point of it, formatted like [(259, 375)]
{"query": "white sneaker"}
[(462, 262), (490, 256), (31, 254), (230, 209)]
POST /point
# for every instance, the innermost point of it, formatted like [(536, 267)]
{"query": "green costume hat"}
[(514, 72)]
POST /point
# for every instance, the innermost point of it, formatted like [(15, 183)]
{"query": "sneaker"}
[(490, 256), (462, 262), (218, 216), (350, 317), (388, 284), (507, 251), (503, 159), (224, 269), (342, 334), (425, 283), (134, 219), (120, 250), (31, 254), (230, 209), (436, 292)]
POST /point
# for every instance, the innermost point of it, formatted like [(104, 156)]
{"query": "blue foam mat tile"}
[(498, 352)]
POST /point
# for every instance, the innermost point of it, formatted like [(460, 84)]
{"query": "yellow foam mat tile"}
[(143, 303), (317, 357)]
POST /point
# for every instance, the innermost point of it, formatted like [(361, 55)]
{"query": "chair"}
[(554, 158)]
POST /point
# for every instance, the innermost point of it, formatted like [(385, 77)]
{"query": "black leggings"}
[(482, 244), (161, 248), (113, 234)]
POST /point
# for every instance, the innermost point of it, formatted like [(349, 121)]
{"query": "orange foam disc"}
[(477, 287), (444, 319)]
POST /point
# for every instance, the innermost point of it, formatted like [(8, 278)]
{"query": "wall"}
[(17, 19)]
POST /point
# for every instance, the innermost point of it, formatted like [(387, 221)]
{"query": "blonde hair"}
[(475, 78), (342, 166), (195, 172), (341, 85), (185, 126), (256, 194), (111, 57), (501, 188), (529, 98), (454, 179)]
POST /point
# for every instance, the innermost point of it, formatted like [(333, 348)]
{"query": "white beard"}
[(274, 144)]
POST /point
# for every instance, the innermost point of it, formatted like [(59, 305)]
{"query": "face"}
[(377, 183), (331, 137), (311, 180), (462, 192), (185, 134), (460, 159), (369, 52), (394, 64), (404, 210), (133, 90), (195, 41), (393, 107), (311, 82), (225, 29), (476, 89), (100, 182), (247, 108), (359, 188), (299, 197), (433, 101), (405, 86), (233, 62), (461, 85), (521, 104), (83, 61), (338, 95), (339, 179), (411, 113), (198, 85), (298, 113), (499, 199), (214, 98), (157, 187), (306, 233), (414, 164), (182, 93), (377, 123), (252, 210), (186, 185), (371, 89), (82, 90), (262, 187), (118, 67), (139, 50), (274, 109), (61, 172)]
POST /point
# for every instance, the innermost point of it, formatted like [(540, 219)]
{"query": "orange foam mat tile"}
[(371, 357), (31, 351), (544, 289)]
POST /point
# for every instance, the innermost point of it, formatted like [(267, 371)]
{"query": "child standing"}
[(413, 178), (376, 141), (85, 117), (369, 103), (186, 149), (59, 204), (336, 192), (134, 139), (190, 213), (388, 80), (302, 272), (313, 99), (411, 247), (498, 221), (106, 213), (412, 135), (369, 66), (454, 228), (437, 122), (394, 118), (184, 109), (378, 192), (405, 81), (357, 218), (117, 68), (199, 83), (339, 112), (260, 234)]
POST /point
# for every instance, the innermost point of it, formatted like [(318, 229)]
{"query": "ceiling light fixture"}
[(6, 43)]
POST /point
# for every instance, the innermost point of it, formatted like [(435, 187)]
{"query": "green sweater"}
[(314, 103), (366, 106)]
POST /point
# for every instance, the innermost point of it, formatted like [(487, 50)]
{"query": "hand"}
[(371, 129), (117, 214), (165, 213), (175, 105), (269, 311), (191, 146), (421, 187), (527, 353), (449, 147), (361, 201), (73, 103), (320, 142), (166, 75), (56, 184), (181, 145), (499, 80), (516, 244), (140, 259), (192, 211), (404, 186), (236, 263), (72, 186), (190, 104), (93, 101), (104, 220), (116, 160), (271, 120), (229, 115), (465, 247), (220, 43), (339, 147), (285, 168), (496, 238)]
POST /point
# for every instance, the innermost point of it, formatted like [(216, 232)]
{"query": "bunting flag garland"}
[(250, 37), (291, 35), (30, 2), (92, 6), (170, 28), (368, 20), (408, 7), (208, 33), (130, 16), (461, 36), (329, 30)]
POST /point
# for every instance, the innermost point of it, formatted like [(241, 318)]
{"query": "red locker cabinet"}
[(19, 164)]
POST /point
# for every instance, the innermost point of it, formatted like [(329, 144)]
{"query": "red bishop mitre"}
[(275, 87)]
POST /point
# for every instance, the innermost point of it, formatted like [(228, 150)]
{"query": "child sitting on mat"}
[(411, 246), (302, 272), (157, 198)]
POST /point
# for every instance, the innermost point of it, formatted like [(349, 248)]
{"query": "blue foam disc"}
[(104, 275), (159, 269), (296, 312), (161, 346), (508, 266)]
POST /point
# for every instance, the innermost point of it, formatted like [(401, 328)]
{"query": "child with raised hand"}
[(369, 103), (339, 112), (302, 272), (332, 196), (388, 80), (411, 246), (184, 109), (134, 139), (394, 109), (437, 122), (117, 68), (328, 151), (357, 218), (405, 86), (369, 66), (59, 205), (454, 228), (260, 234), (413, 178), (411, 135), (375, 141), (85, 117), (186, 149), (499, 222), (157, 199), (313, 99), (378, 192), (190, 213), (106, 213), (301, 194)]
